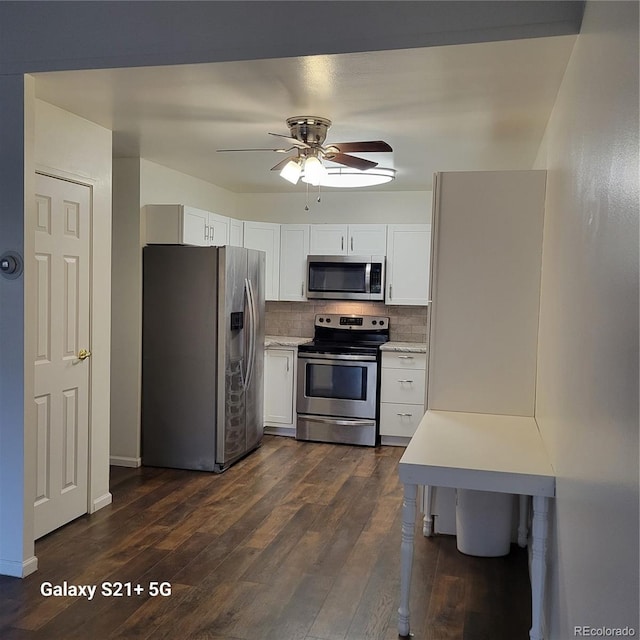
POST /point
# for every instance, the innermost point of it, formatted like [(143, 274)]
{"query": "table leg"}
[(427, 522), (539, 536), (406, 555), (522, 527)]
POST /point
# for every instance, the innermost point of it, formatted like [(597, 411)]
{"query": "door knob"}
[(83, 354)]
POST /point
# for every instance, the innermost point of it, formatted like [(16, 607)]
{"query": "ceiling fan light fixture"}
[(291, 171), (347, 177), (314, 171)]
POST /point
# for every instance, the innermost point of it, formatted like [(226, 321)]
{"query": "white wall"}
[(17, 444), (160, 185), (587, 387), (126, 314), (347, 205), (485, 284)]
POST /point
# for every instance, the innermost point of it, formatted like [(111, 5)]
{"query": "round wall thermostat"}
[(11, 265)]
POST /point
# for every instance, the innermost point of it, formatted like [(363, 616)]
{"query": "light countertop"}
[(284, 341), (405, 347), (478, 451)]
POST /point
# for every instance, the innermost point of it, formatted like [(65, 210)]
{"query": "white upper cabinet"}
[(236, 233), (294, 247), (194, 226), (367, 239), (352, 239), (328, 240), (180, 224), (265, 236), (408, 260), (217, 230)]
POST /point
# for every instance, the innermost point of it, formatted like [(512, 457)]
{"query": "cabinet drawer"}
[(400, 419), (397, 360), (403, 385)]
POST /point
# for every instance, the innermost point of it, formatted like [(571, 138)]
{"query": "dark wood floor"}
[(299, 541)]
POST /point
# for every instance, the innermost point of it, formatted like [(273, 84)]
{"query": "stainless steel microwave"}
[(345, 277)]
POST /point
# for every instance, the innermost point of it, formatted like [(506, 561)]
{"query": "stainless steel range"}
[(339, 379)]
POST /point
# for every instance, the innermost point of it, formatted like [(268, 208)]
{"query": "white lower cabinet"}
[(279, 390), (402, 395)]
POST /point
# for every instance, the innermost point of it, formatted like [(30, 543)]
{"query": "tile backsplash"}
[(406, 324)]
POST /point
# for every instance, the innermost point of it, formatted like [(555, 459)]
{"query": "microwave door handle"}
[(367, 278)]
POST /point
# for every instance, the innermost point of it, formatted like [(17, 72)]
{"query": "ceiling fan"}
[(307, 135)]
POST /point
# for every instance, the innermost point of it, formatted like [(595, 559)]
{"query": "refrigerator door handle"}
[(252, 332), (246, 356)]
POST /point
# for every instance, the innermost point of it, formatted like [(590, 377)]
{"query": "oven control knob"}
[(328, 320), (381, 322), (375, 322), (321, 319)]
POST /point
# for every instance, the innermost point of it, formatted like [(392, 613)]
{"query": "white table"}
[(485, 452)]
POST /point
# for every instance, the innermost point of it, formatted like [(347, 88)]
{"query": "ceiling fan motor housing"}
[(309, 129)]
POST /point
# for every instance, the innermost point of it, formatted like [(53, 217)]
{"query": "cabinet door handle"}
[(390, 292), (405, 357), (408, 381), (342, 243), (206, 231), (351, 243), (408, 415), (287, 365), (302, 290)]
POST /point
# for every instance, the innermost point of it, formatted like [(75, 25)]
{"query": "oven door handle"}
[(322, 356), (339, 421)]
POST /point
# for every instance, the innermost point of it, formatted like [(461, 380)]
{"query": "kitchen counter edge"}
[(405, 347), (284, 341)]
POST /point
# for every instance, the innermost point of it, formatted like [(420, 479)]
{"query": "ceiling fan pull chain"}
[(306, 206), (318, 200)]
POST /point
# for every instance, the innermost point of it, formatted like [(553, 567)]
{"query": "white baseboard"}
[(394, 441), (18, 569), (101, 502), (124, 461), (280, 431)]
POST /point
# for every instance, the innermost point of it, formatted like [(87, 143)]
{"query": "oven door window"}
[(344, 277), (339, 382)]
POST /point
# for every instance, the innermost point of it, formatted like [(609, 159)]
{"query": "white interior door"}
[(62, 368)]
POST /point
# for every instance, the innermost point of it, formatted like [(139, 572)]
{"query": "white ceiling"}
[(462, 107)]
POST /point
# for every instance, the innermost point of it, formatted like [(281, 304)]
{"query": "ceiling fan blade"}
[(276, 150), (371, 146), (294, 141), (281, 164), (351, 161)]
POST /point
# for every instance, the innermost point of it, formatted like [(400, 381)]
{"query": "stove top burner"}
[(350, 334)]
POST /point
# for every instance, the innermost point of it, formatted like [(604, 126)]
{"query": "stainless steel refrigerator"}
[(202, 355)]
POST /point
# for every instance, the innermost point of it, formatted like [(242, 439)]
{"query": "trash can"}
[(483, 522)]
